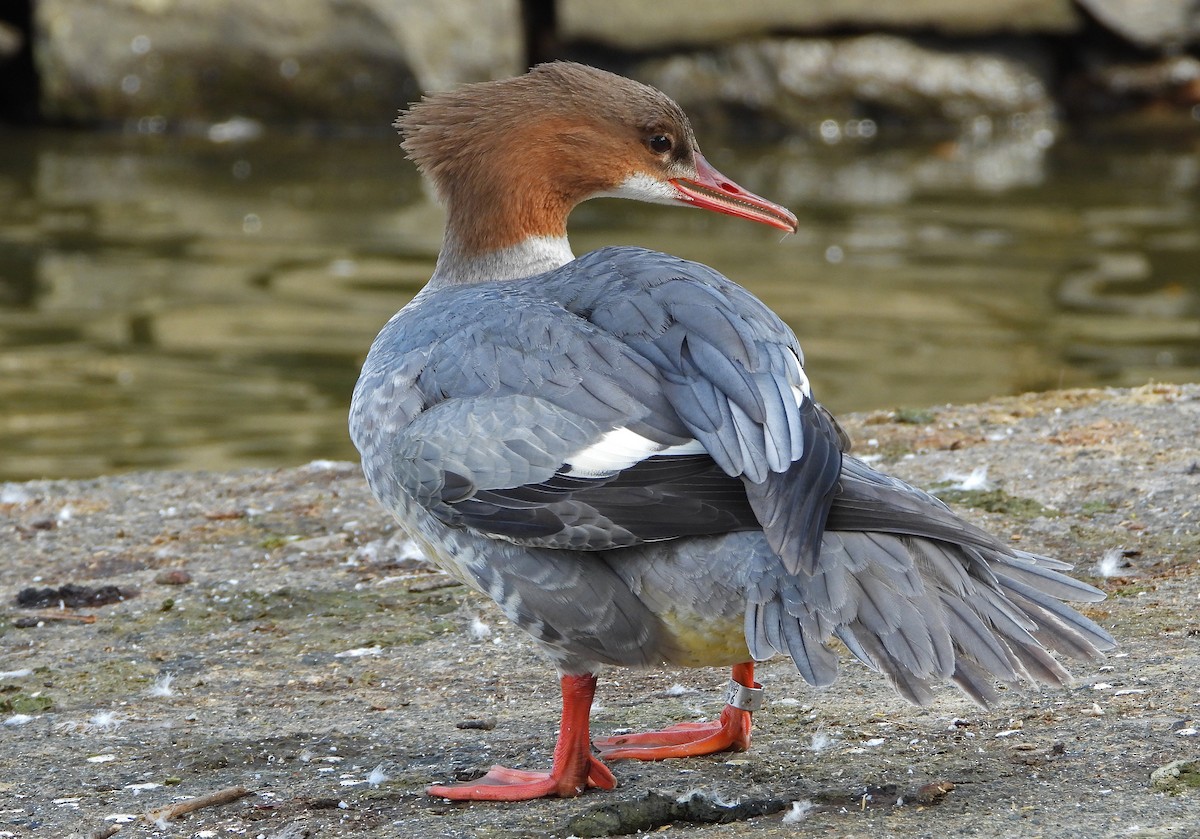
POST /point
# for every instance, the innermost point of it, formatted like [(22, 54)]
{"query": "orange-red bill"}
[(710, 190)]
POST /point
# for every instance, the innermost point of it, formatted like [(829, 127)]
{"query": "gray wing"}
[(733, 373), (629, 397)]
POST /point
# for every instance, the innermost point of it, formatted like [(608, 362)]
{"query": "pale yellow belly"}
[(699, 641), (704, 616)]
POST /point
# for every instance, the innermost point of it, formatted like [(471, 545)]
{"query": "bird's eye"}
[(660, 144)]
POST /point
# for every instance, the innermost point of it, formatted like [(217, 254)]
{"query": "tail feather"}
[(885, 551), (978, 684), (805, 646), (1054, 565), (921, 596), (939, 561), (770, 629), (1008, 621), (1061, 628), (913, 687), (976, 641), (871, 501), (1041, 667), (1031, 570)]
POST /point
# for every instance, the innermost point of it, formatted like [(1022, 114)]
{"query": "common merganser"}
[(623, 450)]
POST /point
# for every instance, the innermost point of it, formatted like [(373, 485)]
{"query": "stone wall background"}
[(154, 64)]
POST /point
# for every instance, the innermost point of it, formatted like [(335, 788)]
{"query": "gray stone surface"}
[(356, 61), (209, 60), (1157, 24), (797, 80), (637, 24)]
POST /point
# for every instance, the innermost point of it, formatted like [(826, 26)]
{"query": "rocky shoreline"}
[(273, 641)]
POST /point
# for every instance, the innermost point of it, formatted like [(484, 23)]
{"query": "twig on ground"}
[(213, 799), (31, 620)]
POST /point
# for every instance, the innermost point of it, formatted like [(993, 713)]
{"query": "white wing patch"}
[(803, 390), (620, 449)]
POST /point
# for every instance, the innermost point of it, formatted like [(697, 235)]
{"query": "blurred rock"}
[(635, 24), (805, 82), (10, 41), (1175, 78), (1151, 24), (208, 60), (1177, 776)]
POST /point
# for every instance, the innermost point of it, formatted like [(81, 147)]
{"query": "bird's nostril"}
[(728, 187)]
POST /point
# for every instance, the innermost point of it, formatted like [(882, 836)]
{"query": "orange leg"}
[(730, 733), (574, 768)]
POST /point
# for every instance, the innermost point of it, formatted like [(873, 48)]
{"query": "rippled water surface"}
[(174, 303)]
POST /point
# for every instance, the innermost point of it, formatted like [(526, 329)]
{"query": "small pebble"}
[(483, 724), (173, 577), (433, 583), (317, 544), (934, 792)]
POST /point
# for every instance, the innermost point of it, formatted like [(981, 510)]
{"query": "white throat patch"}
[(643, 187), (534, 255)]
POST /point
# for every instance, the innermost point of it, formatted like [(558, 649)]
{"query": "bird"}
[(624, 452)]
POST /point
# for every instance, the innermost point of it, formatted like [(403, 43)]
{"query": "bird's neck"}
[(459, 262), (506, 215)]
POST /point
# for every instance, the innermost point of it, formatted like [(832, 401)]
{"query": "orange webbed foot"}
[(504, 784), (575, 768), (729, 733)]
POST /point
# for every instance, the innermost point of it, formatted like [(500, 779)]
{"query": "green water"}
[(178, 304)]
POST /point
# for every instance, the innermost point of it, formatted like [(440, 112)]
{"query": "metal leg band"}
[(744, 698)]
